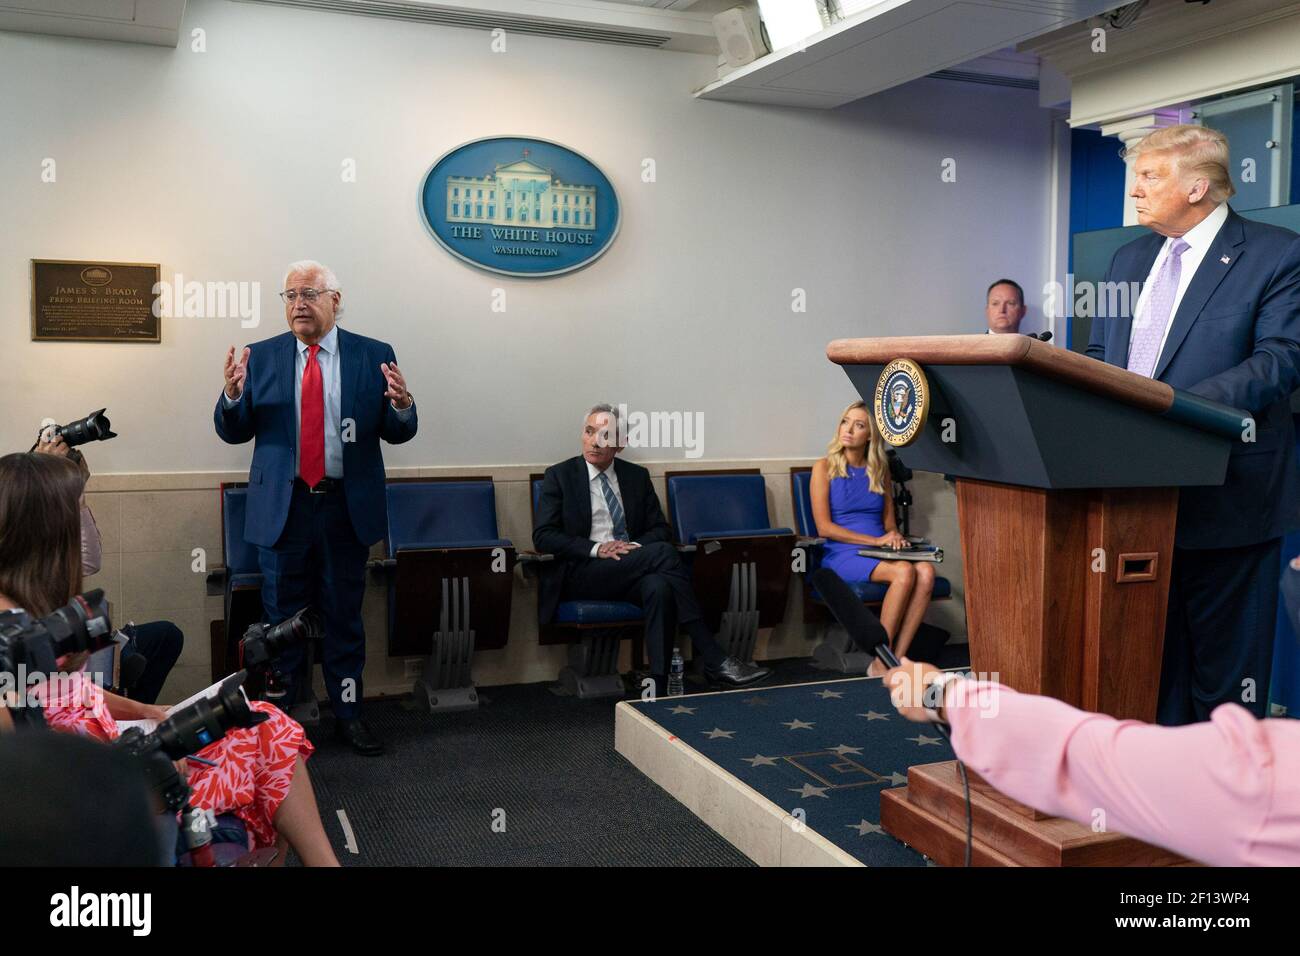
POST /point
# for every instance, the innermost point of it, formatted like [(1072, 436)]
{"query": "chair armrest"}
[(530, 562), (216, 581), (382, 567), (809, 542)]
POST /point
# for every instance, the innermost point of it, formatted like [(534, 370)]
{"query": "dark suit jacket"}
[(563, 524), (266, 413), (1235, 339)]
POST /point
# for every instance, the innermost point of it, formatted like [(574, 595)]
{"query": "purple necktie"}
[(1149, 328)]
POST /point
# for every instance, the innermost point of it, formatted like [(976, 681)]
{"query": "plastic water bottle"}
[(675, 670)]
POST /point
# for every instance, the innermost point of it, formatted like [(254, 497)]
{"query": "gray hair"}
[(311, 265), (1198, 151), (603, 407)]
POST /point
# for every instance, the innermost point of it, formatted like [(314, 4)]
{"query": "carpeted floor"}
[(822, 752), (529, 779)]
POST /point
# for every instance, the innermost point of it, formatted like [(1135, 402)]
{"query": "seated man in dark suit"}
[(600, 517)]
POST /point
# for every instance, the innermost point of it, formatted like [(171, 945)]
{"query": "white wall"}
[(225, 165)]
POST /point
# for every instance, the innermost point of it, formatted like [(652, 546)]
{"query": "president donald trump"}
[(1218, 316), (316, 400)]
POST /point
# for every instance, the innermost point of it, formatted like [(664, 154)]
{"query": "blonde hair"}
[(1198, 151), (877, 461)]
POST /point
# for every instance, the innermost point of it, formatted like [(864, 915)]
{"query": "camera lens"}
[(190, 730), (80, 625), (94, 427)]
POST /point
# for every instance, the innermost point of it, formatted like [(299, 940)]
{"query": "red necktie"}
[(311, 468)]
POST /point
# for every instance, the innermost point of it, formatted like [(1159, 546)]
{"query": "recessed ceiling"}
[(695, 6), (135, 21), (892, 42)]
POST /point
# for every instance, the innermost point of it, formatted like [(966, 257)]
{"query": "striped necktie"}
[(615, 509)]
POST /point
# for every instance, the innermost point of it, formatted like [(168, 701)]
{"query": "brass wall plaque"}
[(94, 301)]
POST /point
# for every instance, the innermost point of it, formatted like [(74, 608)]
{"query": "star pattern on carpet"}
[(864, 827), (808, 790), (922, 740), (758, 760), (716, 732), (828, 695), (897, 778), (872, 715), (681, 709), (798, 724), (844, 750)]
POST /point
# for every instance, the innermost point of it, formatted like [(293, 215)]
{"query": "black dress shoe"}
[(357, 735), (736, 673)]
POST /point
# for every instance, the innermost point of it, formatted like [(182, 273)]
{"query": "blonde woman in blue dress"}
[(853, 509)]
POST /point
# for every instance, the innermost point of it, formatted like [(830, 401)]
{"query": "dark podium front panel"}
[(1019, 428)]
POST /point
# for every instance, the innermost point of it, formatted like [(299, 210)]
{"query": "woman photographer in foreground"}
[(256, 773)]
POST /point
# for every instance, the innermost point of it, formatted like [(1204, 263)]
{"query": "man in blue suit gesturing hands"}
[(1219, 316), (317, 400)]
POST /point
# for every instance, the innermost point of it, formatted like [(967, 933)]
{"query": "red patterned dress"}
[(254, 765)]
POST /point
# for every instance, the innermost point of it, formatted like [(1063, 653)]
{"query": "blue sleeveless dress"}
[(856, 507)]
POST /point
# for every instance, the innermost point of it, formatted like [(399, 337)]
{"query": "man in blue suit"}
[(317, 400), (1218, 316)]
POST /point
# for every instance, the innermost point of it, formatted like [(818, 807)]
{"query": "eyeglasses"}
[(309, 295)]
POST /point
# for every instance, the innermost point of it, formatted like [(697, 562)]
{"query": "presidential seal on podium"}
[(902, 402)]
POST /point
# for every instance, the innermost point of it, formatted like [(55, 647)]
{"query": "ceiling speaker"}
[(740, 35)]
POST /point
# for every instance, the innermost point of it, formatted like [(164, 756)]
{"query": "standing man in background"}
[(1004, 307), (1219, 316), (317, 400)]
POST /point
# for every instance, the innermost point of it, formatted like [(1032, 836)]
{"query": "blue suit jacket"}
[(1235, 339), (266, 413)]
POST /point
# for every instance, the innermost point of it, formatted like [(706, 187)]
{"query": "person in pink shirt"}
[(1225, 791)]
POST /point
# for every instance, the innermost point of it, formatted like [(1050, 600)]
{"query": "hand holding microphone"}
[(869, 634)]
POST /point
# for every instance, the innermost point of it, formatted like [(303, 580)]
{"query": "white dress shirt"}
[(332, 389), (602, 523), (1198, 239)]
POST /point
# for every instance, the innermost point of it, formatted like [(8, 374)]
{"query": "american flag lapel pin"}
[(1226, 259)]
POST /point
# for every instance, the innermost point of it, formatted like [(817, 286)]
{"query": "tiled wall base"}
[(162, 531)]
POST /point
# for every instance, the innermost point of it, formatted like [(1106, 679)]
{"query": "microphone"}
[(1041, 336), (864, 627)]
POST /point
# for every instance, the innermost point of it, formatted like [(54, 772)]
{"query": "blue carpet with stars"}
[(828, 749)]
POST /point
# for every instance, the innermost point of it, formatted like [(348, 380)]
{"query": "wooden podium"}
[(1067, 474)]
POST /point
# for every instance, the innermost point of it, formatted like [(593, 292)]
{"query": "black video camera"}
[(33, 645), (186, 732), (262, 644)]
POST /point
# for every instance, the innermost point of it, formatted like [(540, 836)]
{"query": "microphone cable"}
[(886, 656), (869, 634)]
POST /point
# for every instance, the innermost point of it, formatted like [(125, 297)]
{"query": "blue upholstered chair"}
[(594, 631), (837, 653), (740, 563), (450, 582), (243, 573)]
